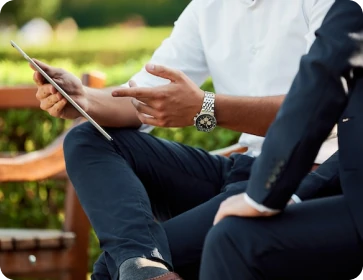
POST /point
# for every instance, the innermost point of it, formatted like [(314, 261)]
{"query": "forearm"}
[(252, 115), (110, 111)]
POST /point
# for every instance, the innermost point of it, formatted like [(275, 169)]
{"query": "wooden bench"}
[(62, 254)]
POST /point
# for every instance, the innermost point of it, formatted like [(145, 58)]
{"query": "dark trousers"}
[(123, 186), (316, 239)]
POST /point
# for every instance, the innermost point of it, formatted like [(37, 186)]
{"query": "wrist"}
[(198, 103), (259, 207), (88, 95), (205, 119)]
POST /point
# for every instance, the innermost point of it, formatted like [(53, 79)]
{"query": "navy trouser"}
[(124, 185), (314, 240)]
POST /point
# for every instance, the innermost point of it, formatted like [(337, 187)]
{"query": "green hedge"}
[(104, 46), (95, 13), (100, 13)]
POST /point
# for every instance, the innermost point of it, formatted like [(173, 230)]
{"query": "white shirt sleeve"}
[(316, 11), (259, 207), (295, 198), (183, 50)]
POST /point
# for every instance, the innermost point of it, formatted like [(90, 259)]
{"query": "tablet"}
[(62, 92)]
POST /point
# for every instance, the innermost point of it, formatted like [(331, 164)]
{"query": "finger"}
[(219, 216), (132, 83), (32, 67), (57, 109), (49, 102), (144, 108), (39, 79), (165, 72), (145, 119), (136, 92), (50, 70), (291, 202), (44, 91)]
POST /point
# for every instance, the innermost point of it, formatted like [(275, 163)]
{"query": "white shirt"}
[(248, 47)]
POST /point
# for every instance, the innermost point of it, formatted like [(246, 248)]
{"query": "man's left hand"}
[(171, 105), (237, 206)]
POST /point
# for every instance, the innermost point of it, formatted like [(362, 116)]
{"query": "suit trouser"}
[(316, 239), (123, 186)]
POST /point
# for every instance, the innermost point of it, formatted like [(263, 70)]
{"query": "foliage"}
[(40, 204), (20, 11), (95, 13), (107, 46), (91, 12)]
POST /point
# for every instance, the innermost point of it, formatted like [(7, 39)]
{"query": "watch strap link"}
[(208, 103)]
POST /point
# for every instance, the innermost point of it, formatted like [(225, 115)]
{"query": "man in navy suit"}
[(320, 238)]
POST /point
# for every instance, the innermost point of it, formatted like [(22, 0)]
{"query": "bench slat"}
[(29, 239), (19, 97)]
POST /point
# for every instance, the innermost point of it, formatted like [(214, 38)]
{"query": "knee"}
[(218, 238), (218, 247), (79, 135), (232, 235), (83, 145)]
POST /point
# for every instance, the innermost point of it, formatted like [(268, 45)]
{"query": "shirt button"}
[(254, 50)]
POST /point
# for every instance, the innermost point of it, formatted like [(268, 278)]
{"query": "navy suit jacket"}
[(327, 90)]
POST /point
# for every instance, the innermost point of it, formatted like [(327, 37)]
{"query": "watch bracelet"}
[(208, 102)]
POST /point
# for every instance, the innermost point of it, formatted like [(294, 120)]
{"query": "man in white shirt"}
[(251, 48)]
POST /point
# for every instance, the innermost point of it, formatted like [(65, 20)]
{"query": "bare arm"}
[(251, 115), (171, 105), (109, 111), (98, 103), (176, 104)]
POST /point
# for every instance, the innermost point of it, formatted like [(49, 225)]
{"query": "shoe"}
[(167, 276)]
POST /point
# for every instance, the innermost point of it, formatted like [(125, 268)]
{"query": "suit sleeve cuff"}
[(259, 207)]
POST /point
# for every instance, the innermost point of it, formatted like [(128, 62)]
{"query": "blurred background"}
[(115, 37)]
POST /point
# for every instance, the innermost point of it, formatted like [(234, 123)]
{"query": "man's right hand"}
[(51, 100)]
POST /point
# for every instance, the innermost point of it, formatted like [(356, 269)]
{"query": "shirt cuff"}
[(295, 198), (259, 207)]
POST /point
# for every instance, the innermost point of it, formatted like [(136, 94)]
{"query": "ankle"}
[(141, 269)]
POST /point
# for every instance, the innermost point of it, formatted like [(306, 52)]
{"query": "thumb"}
[(164, 72), (132, 83)]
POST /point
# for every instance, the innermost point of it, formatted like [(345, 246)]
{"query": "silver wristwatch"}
[(205, 120)]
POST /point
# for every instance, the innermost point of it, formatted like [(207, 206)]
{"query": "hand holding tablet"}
[(61, 91)]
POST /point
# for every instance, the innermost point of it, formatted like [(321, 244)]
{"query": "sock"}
[(141, 269)]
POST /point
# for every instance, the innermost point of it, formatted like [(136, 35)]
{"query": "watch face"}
[(205, 122)]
